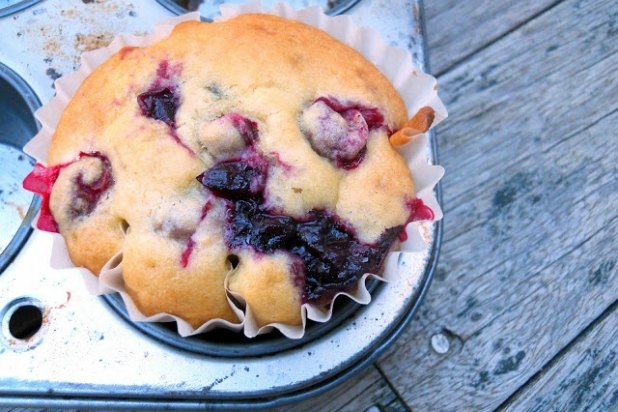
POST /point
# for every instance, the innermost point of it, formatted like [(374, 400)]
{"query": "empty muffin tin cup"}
[(17, 206), (417, 89), (210, 10)]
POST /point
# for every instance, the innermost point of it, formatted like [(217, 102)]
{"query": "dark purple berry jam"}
[(161, 101), (249, 225), (237, 178), (233, 179), (333, 258), (160, 105), (328, 256)]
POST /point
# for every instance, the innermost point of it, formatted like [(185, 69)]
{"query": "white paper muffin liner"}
[(416, 88)]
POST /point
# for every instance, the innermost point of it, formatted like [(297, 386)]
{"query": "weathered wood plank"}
[(456, 29), (366, 390), (524, 332), (583, 378), (526, 94), (529, 257)]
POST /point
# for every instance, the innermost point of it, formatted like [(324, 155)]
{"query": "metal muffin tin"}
[(17, 125), (62, 347), (209, 9)]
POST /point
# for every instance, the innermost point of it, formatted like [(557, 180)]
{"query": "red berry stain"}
[(277, 159), (166, 74), (247, 128), (190, 245), (186, 253)]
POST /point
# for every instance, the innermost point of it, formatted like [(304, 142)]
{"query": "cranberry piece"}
[(234, 179), (160, 104), (339, 131), (372, 115), (336, 136)]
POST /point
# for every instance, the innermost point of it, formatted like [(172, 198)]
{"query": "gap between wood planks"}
[(392, 388), (516, 27), (553, 361)]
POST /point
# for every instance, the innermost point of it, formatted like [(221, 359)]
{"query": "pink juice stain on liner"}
[(419, 211), (40, 181)]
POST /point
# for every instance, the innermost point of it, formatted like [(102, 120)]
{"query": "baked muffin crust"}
[(257, 109)]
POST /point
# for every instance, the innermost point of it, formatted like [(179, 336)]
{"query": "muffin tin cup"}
[(17, 207), (209, 10), (417, 89)]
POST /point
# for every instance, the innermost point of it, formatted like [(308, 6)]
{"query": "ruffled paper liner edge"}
[(418, 90)]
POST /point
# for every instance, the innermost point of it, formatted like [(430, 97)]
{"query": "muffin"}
[(249, 156)]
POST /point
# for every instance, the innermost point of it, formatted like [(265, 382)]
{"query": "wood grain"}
[(583, 378), (457, 29), (529, 257)]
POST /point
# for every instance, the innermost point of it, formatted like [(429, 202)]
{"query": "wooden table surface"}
[(524, 303)]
